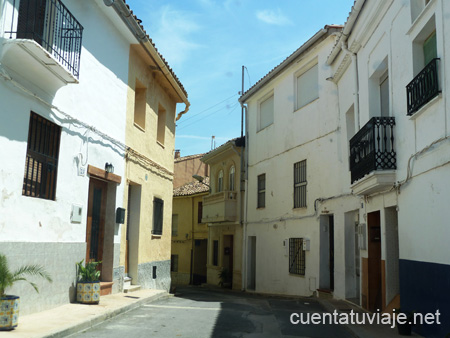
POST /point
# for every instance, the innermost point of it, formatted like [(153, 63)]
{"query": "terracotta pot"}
[(88, 292), (9, 312)]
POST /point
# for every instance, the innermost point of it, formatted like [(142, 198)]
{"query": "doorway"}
[(132, 232), (95, 225), (374, 262), (228, 257), (326, 280), (251, 267), (200, 258)]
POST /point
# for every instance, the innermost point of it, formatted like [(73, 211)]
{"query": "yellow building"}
[(153, 92), (189, 234), (223, 212)]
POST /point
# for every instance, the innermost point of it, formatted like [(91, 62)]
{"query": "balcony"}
[(220, 207), (423, 88), (373, 157), (42, 38)]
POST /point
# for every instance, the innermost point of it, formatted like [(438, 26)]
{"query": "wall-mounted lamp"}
[(200, 179), (109, 168)]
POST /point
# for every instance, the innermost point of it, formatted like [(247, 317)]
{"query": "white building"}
[(300, 213), (63, 88), (392, 83)]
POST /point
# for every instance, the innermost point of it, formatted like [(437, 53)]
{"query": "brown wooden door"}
[(374, 263), (95, 225)]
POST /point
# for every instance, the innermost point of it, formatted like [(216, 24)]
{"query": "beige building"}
[(153, 92), (223, 211), (189, 234)]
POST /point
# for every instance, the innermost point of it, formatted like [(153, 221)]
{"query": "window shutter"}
[(158, 208)]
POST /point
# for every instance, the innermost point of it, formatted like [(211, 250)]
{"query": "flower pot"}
[(9, 312), (88, 292)]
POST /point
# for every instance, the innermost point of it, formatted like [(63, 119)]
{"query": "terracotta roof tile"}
[(192, 188)]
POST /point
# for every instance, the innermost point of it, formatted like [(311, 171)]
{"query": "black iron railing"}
[(423, 87), (49, 23), (372, 148)]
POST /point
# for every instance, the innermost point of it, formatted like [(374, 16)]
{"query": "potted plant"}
[(405, 323), (88, 285), (224, 276), (9, 304)]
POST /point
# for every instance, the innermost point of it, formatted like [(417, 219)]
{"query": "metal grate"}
[(423, 87), (158, 209), (300, 184), (372, 148), (262, 191), (215, 253), (50, 24), (42, 158), (296, 256)]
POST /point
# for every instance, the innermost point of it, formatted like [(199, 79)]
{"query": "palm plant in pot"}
[(9, 304), (88, 285)]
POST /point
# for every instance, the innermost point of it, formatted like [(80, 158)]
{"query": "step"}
[(127, 282), (106, 288), (131, 288), (324, 294)]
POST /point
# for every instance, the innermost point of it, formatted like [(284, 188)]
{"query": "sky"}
[(206, 43)]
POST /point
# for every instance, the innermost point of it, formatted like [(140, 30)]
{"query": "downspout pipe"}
[(355, 83), (128, 18), (243, 213)]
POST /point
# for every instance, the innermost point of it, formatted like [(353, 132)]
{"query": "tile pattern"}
[(9, 313), (88, 293)]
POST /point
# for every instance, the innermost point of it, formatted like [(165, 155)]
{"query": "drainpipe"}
[(355, 82), (243, 206)]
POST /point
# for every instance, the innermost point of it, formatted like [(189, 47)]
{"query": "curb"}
[(105, 316)]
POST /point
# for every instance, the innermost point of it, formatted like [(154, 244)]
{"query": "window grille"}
[(296, 256), (300, 184), (158, 208), (41, 164), (200, 212), (215, 253), (262, 191)]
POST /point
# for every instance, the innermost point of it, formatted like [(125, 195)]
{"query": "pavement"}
[(69, 319)]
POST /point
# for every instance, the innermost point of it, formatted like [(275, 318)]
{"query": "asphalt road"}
[(202, 313)]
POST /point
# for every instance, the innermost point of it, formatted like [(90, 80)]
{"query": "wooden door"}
[(374, 261), (95, 225)]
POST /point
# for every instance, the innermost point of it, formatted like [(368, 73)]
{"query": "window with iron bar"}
[(296, 257), (262, 191), (158, 209), (41, 164), (215, 253), (200, 212), (174, 263), (300, 184)]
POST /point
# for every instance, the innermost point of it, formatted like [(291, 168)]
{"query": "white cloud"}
[(273, 17), (173, 36)]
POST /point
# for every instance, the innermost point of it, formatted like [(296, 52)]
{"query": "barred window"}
[(174, 263), (158, 208), (215, 253), (300, 184), (41, 164), (262, 191), (296, 256)]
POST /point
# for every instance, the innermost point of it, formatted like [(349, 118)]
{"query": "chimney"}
[(177, 153)]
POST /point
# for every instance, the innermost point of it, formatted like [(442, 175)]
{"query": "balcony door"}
[(31, 20)]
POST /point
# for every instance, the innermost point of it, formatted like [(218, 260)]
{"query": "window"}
[(160, 135), (430, 48), (41, 164), (175, 225), (200, 212), (262, 191), (158, 208), (215, 253), (174, 263), (232, 175), (140, 104), (308, 86), (266, 109), (296, 256), (220, 181), (300, 184)]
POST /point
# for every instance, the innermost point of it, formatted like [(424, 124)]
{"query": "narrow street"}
[(201, 313)]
